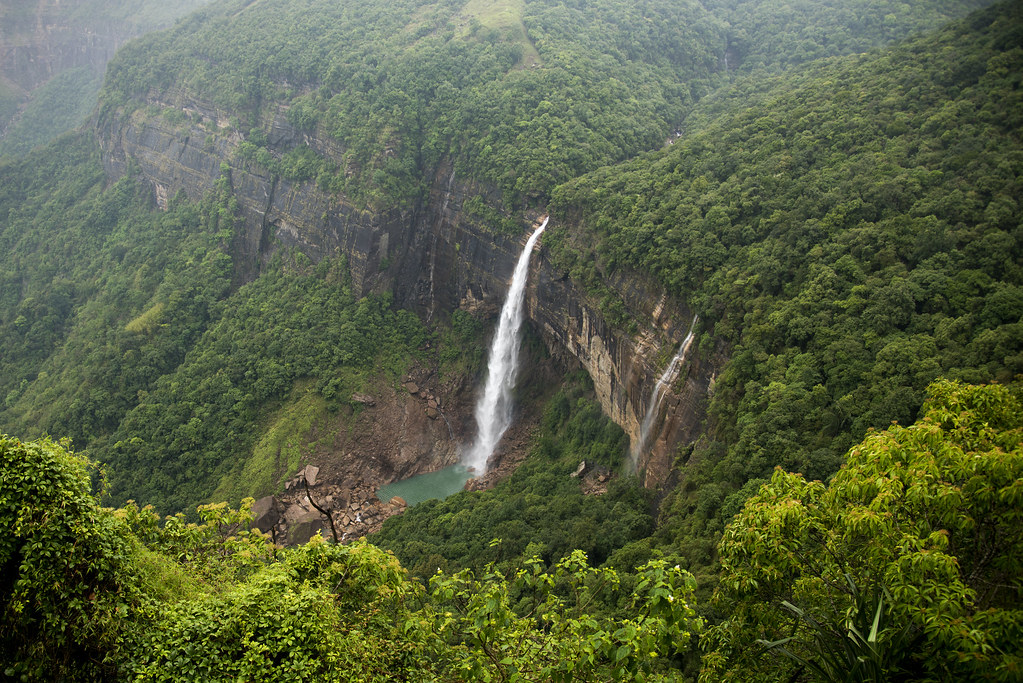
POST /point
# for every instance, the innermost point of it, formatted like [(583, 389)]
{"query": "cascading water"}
[(494, 408), (654, 406)]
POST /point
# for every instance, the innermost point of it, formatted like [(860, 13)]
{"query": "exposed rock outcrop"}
[(266, 513), (351, 511), (623, 365)]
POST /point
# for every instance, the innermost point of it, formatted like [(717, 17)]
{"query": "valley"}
[(278, 250)]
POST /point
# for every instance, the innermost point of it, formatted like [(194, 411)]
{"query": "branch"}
[(325, 513)]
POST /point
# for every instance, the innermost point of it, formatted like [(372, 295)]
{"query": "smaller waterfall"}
[(654, 405), (494, 408)]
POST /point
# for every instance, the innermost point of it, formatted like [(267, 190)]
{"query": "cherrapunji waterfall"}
[(494, 407), (654, 406)]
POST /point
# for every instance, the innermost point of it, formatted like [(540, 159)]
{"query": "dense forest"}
[(833, 189), (524, 95), (852, 231)]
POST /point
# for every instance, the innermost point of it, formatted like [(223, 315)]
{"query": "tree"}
[(68, 580), (920, 532), (547, 626)]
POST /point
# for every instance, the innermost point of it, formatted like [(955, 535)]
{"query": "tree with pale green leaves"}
[(905, 566)]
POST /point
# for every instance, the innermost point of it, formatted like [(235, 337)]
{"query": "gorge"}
[(770, 340), (434, 256)]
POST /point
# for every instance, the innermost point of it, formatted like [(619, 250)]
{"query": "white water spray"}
[(654, 406), (494, 408)]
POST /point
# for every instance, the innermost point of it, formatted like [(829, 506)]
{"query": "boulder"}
[(266, 512), (304, 527), (398, 501), (364, 399), (310, 473), (412, 387)]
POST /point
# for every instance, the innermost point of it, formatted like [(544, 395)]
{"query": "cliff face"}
[(434, 256), (626, 366)]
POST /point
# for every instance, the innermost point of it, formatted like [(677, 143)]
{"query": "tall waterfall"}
[(494, 408), (654, 405)]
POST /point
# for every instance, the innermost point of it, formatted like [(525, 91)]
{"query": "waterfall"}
[(654, 405), (494, 407)]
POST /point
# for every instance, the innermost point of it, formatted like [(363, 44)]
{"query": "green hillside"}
[(833, 188), (520, 95), (850, 233)]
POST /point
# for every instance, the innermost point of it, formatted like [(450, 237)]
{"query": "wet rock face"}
[(624, 366), (434, 256), (275, 212)]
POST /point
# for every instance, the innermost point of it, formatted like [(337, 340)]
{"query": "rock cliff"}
[(434, 255)]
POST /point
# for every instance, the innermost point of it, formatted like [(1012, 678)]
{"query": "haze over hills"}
[(284, 236), (53, 56)]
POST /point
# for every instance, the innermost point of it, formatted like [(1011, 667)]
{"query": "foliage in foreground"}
[(93, 593), (908, 560), (906, 566)]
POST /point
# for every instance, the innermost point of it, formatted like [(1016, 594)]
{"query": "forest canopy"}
[(851, 232)]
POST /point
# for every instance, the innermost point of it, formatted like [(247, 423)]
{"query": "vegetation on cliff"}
[(521, 94)]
